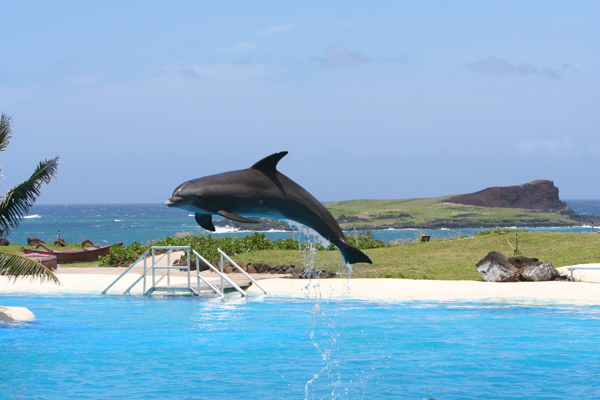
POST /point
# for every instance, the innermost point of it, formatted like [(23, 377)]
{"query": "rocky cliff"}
[(538, 195)]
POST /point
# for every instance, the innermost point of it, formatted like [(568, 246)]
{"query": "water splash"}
[(324, 333)]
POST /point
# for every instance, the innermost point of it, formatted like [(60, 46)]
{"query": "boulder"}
[(12, 314), (4, 242), (494, 267), (262, 268), (228, 268), (32, 241), (542, 272), (522, 261)]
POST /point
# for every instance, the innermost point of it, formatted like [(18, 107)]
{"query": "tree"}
[(15, 204)]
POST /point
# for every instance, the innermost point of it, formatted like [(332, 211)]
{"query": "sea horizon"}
[(106, 223)]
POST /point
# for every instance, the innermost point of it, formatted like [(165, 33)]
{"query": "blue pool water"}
[(101, 347)]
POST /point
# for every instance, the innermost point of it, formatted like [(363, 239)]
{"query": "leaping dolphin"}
[(260, 191)]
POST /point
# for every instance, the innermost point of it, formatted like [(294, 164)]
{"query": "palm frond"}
[(15, 204), (15, 266), (5, 131)]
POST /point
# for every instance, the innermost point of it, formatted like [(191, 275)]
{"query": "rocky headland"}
[(538, 195), (534, 204)]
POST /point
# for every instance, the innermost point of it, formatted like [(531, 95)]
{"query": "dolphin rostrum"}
[(260, 191)]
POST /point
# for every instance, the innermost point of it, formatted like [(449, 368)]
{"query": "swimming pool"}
[(125, 347)]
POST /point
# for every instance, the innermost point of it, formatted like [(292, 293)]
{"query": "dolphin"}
[(260, 191)]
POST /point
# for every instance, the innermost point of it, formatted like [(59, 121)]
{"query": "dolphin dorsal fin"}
[(269, 163)]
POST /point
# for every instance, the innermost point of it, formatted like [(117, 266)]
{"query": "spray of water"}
[(324, 334)]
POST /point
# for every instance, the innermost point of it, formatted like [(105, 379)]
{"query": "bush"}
[(498, 231), (207, 246)]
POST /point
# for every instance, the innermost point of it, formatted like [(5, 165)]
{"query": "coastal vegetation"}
[(207, 246), (438, 212), (445, 259), (15, 204)]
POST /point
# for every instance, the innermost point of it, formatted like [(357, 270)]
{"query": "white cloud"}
[(543, 147), (337, 55), (397, 58), (500, 67), (243, 46), (274, 29), (81, 80)]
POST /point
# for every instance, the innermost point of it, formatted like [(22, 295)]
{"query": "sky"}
[(372, 99)]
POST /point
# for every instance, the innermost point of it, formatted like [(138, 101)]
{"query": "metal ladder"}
[(163, 283)]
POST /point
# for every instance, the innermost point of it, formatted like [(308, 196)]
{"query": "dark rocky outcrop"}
[(4, 242), (539, 195), (495, 267), (543, 272), (291, 271)]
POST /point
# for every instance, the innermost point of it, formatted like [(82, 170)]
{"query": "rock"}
[(4, 242), (11, 314), (32, 241), (228, 268), (262, 268), (495, 268), (537, 195), (541, 272), (251, 269), (522, 261)]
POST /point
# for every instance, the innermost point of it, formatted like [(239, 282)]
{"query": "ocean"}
[(144, 223)]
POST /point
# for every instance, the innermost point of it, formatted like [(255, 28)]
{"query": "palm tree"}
[(15, 204)]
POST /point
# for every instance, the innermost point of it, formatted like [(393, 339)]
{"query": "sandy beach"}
[(95, 280)]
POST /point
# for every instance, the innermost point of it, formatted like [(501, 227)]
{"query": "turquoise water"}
[(101, 347), (112, 223)]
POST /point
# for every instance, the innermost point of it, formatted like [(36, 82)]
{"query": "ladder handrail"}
[(199, 277), (126, 271), (232, 283), (240, 269), (144, 273)]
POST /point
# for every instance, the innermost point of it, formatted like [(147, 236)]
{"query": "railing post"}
[(189, 267), (153, 270), (169, 263), (145, 271), (221, 269)]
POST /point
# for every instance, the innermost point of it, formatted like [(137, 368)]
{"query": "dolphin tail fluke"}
[(352, 255)]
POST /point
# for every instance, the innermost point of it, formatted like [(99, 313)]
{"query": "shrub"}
[(207, 246)]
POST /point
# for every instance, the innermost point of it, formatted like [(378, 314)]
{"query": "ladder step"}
[(171, 289)]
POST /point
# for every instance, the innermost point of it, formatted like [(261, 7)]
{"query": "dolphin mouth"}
[(173, 201)]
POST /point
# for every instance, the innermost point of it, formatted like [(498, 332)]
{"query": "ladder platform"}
[(183, 288), (202, 285)]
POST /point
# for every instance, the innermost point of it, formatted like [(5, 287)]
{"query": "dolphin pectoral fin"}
[(269, 163), (236, 217), (205, 221)]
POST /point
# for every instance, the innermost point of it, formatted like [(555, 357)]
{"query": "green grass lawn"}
[(449, 259)]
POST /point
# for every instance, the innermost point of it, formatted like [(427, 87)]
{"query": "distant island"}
[(535, 205)]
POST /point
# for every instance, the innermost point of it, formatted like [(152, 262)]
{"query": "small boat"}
[(90, 253)]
